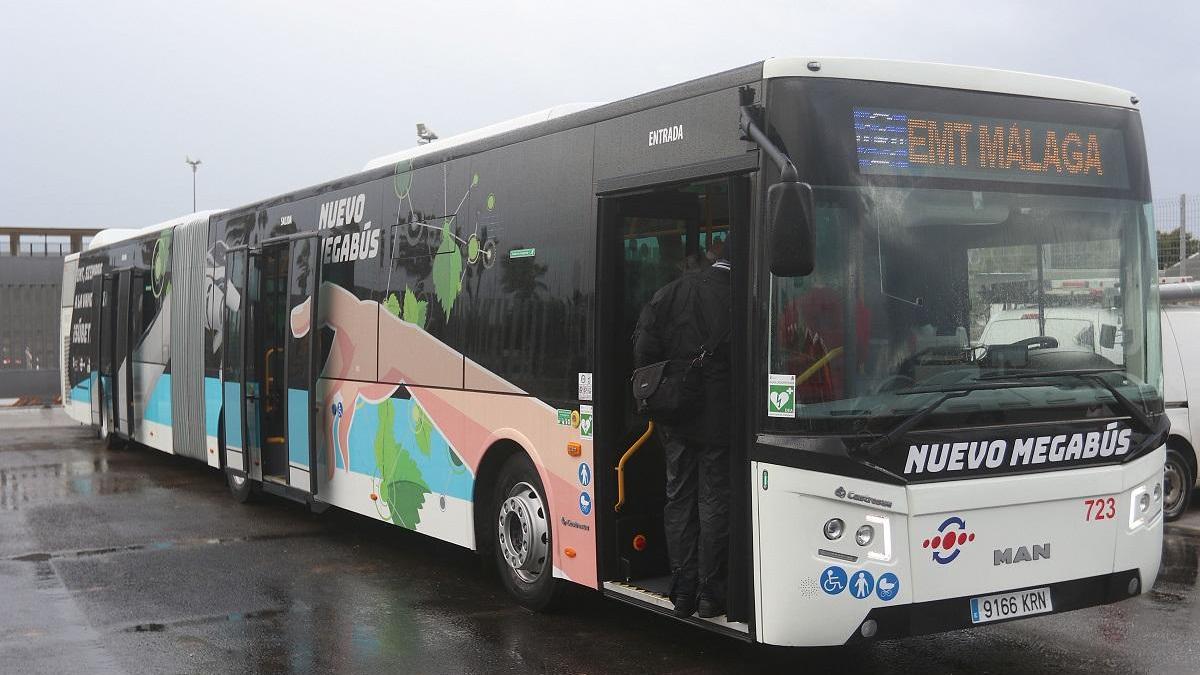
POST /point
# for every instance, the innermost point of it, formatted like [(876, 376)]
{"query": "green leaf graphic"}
[(402, 486), (403, 179), (447, 269), (405, 499), (422, 428), (392, 305), (414, 309)]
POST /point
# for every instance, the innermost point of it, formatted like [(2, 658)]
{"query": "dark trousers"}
[(697, 514)]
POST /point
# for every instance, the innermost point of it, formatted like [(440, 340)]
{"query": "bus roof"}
[(881, 70), (114, 235), (951, 77), (476, 134)]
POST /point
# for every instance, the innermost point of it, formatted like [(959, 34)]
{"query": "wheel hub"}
[(523, 532), (1172, 487)]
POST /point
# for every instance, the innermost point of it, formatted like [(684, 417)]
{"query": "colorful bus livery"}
[(442, 342)]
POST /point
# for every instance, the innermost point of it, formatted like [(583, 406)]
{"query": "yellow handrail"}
[(625, 458), (268, 380), (637, 445), (819, 364)]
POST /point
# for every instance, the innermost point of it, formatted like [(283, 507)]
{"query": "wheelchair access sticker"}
[(833, 580)]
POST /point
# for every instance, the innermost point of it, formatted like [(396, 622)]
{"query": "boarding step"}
[(635, 592)]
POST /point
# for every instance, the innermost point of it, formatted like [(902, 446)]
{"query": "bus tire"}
[(240, 486), (1179, 481), (522, 535)]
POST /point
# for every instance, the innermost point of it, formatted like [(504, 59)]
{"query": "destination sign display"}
[(937, 145)]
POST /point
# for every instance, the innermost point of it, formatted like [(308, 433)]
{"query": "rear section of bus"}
[(916, 468)]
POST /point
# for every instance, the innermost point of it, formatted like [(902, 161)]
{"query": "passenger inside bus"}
[(688, 319), (1020, 283), (678, 485)]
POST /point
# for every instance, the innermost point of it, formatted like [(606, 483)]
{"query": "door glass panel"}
[(235, 291), (122, 365), (301, 301), (270, 331), (251, 371)]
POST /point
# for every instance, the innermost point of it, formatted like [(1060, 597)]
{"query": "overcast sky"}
[(100, 101)]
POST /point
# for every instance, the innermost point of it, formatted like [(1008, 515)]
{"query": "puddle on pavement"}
[(25, 486), (1180, 561), (198, 621), (40, 556)]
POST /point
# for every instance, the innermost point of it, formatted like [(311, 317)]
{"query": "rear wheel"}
[(1178, 483), (522, 538)]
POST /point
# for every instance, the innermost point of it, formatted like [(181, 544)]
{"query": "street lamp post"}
[(194, 163)]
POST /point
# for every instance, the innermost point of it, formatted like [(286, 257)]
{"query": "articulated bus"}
[(442, 342)]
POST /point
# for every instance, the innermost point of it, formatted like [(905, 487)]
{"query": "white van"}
[(1083, 328), (1181, 380)]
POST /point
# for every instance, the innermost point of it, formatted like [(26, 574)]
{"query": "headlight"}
[(1145, 503), (834, 528), (864, 535)]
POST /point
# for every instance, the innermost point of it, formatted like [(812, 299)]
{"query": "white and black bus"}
[(441, 341)]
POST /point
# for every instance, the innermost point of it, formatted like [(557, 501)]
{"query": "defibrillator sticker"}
[(781, 395), (585, 421)]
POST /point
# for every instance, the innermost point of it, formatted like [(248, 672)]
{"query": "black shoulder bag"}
[(672, 391)]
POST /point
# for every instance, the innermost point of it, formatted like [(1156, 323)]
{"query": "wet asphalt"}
[(135, 561)]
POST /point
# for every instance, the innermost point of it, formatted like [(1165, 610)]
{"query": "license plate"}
[(1009, 605)]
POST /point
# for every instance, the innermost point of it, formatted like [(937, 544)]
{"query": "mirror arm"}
[(751, 132)]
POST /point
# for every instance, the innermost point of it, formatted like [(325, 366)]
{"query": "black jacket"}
[(679, 320)]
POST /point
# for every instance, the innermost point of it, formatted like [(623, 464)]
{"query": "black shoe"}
[(685, 605), (710, 608)]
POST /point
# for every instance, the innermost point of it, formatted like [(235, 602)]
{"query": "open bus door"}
[(269, 375), (106, 398), (649, 237), (125, 318), (97, 321), (237, 459)]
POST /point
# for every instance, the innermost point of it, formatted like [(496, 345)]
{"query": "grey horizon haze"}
[(100, 102)]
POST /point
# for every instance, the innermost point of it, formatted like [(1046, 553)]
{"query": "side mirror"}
[(792, 233), (1108, 336)]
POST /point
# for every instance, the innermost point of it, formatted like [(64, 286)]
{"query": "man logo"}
[(1009, 557), (840, 492)]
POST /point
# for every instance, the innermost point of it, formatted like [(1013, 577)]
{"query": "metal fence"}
[(1177, 219), (44, 249)]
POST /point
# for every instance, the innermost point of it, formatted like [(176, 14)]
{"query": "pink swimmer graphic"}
[(470, 419)]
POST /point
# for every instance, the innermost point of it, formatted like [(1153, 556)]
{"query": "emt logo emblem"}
[(948, 542)]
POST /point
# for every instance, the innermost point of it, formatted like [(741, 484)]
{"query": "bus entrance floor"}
[(135, 561)]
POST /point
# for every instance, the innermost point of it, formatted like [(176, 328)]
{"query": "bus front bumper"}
[(937, 616), (1075, 538)]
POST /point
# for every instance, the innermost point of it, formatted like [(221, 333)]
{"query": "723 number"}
[(1100, 508)]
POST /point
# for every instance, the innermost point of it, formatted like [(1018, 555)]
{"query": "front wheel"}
[(1178, 483), (522, 539)]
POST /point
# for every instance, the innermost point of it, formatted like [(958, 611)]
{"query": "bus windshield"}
[(918, 291)]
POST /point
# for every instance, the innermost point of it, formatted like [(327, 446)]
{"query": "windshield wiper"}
[(876, 446), (1136, 412)]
